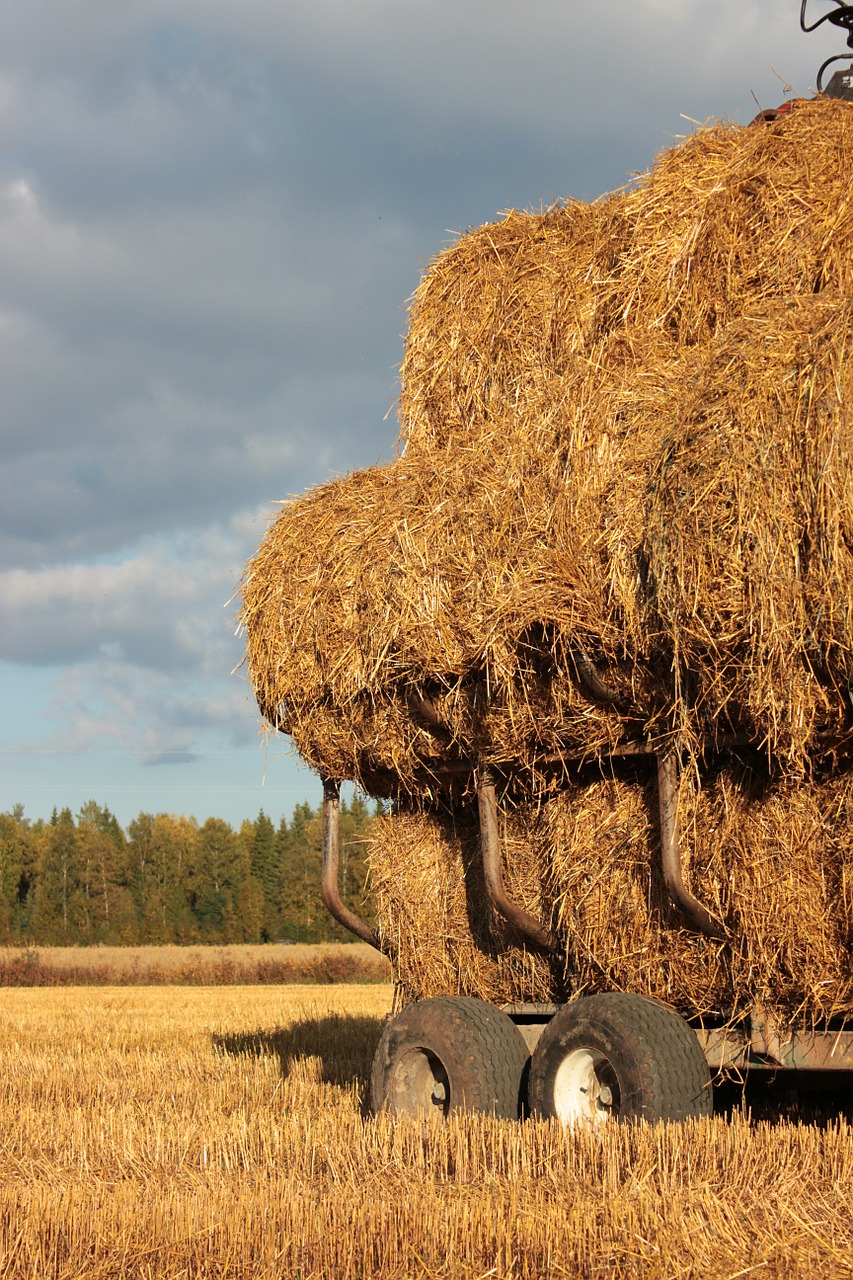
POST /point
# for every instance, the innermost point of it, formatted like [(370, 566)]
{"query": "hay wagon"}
[(612, 1054), (618, 537)]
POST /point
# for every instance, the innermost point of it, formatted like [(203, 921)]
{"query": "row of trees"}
[(78, 880)]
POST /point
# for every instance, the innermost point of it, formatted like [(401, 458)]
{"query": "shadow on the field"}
[(343, 1043)]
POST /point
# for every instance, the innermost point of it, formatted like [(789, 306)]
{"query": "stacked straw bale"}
[(626, 441), (774, 862), (626, 434)]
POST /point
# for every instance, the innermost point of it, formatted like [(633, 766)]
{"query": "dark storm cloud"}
[(211, 215)]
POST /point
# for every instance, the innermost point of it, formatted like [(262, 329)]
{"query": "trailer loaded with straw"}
[(591, 635)]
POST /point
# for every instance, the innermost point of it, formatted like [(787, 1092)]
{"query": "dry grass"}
[(151, 1133), (190, 966), (626, 440)]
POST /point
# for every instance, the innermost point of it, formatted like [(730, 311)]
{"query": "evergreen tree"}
[(103, 868), (299, 851), (167, 909), (140, 868), (266, 871), (14, 885), (58, 915), (215, 873), (248, 895), (173, 881), (162, 867)]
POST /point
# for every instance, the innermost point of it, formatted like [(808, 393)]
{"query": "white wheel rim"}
[(586, 1091), (420, 1084)]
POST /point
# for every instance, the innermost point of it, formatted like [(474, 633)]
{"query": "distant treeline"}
[(83, 880)]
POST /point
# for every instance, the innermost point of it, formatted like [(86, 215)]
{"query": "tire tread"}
[(675, 1076), (494, 1052)]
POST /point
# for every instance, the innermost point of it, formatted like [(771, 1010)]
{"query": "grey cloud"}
[(249, 272), (170, 461), (154, 610), (211, 216), (113, 704), (213, 93), (525, 63), (160, 380)]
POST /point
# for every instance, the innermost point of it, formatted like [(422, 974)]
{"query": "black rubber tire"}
[(452, 1053), (618, 1057)]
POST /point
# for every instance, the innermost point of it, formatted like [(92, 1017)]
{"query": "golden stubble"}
[(177, 1132)]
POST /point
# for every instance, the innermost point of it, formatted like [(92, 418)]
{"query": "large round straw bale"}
[(749, 528), (435, 921)]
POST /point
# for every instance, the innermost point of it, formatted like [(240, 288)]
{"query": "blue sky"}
[(211, 217)]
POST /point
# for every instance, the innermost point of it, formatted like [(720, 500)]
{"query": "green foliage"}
[(168, 879), (266, 873), (59, 907), (15, 863)]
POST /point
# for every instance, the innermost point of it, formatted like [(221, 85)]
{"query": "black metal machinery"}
[(841, 82)]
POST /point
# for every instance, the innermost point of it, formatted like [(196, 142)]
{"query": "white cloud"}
[(161, 609)]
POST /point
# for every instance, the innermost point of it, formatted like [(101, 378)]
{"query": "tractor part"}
[(670, 846), (841, 83), (490, 846)]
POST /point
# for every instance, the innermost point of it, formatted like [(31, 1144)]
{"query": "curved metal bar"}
[(589, 678), (335, 906), (670, 844), (840, 16), (490, 845), (838, 57)]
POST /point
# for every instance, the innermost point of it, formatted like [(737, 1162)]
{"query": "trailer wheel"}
[(453, 1053), (618, 1057)]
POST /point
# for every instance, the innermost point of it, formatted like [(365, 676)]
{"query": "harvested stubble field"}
[(151, 1132), (200, 966)]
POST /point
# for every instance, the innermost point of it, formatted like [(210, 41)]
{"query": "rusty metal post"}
[(490, 845), (670, 844), (330, 887)]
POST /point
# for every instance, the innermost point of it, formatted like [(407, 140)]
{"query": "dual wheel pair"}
[(612, 1056)]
